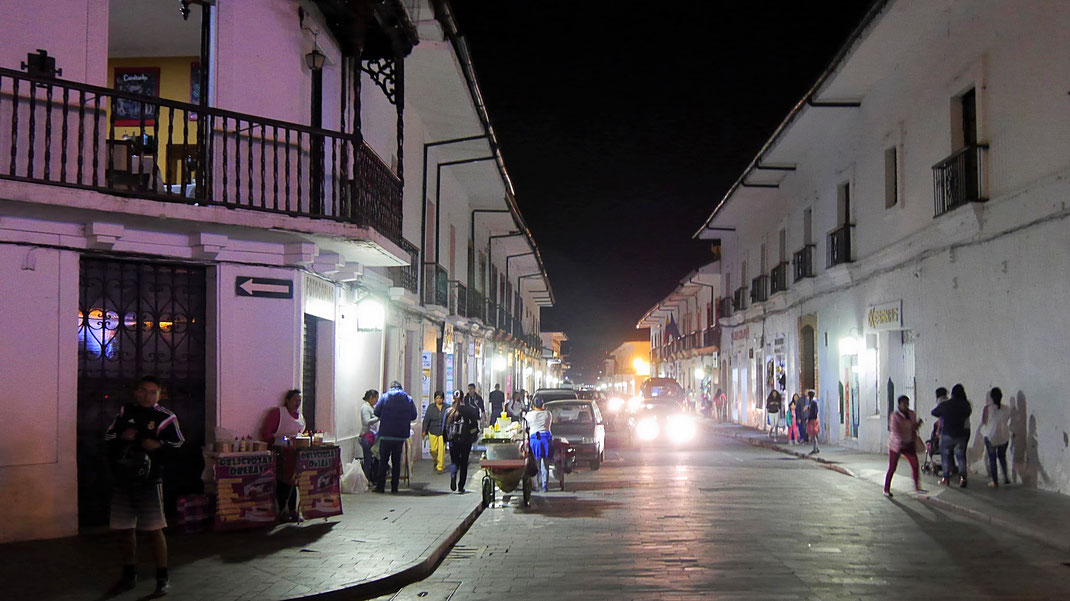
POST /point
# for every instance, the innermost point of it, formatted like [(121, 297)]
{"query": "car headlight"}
[(615, 404), (647, 429), (634, 403), (681, 428)]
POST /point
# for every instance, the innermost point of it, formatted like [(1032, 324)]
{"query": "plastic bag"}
[(353, 479)]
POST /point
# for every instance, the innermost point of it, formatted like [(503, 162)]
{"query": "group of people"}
[(952, 430), (800, 418)]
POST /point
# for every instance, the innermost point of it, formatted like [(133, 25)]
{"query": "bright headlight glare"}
[(681, 428), (647, 429), (634, 403), (616, 403)]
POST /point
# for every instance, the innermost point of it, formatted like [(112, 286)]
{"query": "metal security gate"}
[(308, 370), (138, 318)]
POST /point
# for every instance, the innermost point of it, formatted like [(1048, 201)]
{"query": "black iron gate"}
[(308, 370), (137, 318)]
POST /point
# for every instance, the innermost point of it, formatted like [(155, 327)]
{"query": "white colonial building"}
[(906, 227), (241, 198)]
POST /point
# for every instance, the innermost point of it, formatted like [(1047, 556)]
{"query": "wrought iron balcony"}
[(458, 299), (74, 135), (408, 276), (739, 298), (759, 289), (475, 304), (712, 336), (724, 307), (436, 285), (803, 261), (778, 278), (838, 244), (959, 179), (490, 314)]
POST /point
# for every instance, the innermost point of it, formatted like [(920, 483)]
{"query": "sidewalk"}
[(379, 544), (1039, 515)]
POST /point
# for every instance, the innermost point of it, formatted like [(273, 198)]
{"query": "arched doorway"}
[(808, 352)]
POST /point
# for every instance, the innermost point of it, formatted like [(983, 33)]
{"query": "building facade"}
[(234, 197), (905, 228)]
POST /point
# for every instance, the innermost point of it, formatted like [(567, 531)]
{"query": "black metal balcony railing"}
[(725, 308), (803, 262), (458, 299), (475, 304), (712, 336), (490, 314), (839, 245), (958, 179), (759, 289), (408, 276), (75, 135), (739, 298), (778, 278), (436, 285)]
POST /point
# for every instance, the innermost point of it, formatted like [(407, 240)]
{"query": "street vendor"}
[(539, 421), (281, 422)]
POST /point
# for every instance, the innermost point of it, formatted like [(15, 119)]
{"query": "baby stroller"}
[(932, 463)]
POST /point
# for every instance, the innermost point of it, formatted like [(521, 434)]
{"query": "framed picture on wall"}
[(135, 80), (194, 87)]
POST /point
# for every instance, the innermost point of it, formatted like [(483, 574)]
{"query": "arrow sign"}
[(263, 287)]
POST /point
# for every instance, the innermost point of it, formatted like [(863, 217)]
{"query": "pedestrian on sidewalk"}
[(790, 416), (281, 422), (802, 412), (497, 402), (720, 404), (473, 399), (996, 428), (396, 412), (955, 431), (813, 426), (432, 429), (461, 426), (368, 424), (938, 426), (515, 407), (773, 405), (903, 441), (539, 422), (139, 441)]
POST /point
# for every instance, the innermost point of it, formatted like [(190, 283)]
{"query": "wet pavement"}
[(733, 521)]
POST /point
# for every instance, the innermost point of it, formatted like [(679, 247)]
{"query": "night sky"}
[(621, 128)]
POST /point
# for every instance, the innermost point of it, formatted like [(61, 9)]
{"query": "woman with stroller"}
[(995, 427), (902, 441), (460, 426)]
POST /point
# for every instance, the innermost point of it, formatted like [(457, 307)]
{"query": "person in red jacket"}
[(902, 433)]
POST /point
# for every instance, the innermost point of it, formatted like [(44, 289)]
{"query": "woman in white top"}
[(539, 421), (995, 427), (367, 435)]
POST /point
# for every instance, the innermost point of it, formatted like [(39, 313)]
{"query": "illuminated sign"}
[(888, 316)]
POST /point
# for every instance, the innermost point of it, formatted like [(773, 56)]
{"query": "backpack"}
[(455, 430)]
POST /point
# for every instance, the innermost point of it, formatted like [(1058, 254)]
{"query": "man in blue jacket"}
[(396, 412)]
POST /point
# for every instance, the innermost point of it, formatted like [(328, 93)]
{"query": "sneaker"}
[(460, 490), (888, 494), (962, 482), (453, 482), (920, 491), (943, 481), (993, 485), (163, 586)]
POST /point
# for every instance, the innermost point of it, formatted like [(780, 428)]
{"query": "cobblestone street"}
[(735, 522)]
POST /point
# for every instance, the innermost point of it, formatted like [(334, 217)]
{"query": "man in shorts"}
[(139, 440)]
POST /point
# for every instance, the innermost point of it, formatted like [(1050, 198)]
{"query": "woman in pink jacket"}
[(902, 432)]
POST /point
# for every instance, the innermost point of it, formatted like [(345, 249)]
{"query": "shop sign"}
[(246, 484), (430, 338), (449, 371), (778, 343), (478, 346), (425, 379), (888, 316), (740, 335), (318, 472), (447, 338)]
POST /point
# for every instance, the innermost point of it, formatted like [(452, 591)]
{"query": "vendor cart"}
[(507, 463)]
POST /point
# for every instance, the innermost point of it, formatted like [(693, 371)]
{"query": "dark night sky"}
[(621, 129)]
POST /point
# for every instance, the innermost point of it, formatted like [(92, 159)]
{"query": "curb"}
[(414, 572), (1040, 536)]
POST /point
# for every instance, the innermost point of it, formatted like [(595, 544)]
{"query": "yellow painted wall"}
[(174, 85)]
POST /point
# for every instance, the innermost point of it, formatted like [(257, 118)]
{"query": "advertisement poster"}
[(246, 490), (144, 81), (449, 372), (318, 472)]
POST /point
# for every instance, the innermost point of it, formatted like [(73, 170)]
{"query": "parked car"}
[(580, 421), (554, 394)]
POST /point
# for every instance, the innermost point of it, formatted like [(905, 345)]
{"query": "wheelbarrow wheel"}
[(488, 492), (527, 491)]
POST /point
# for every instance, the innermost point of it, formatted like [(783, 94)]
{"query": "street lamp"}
[(315, 60)]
